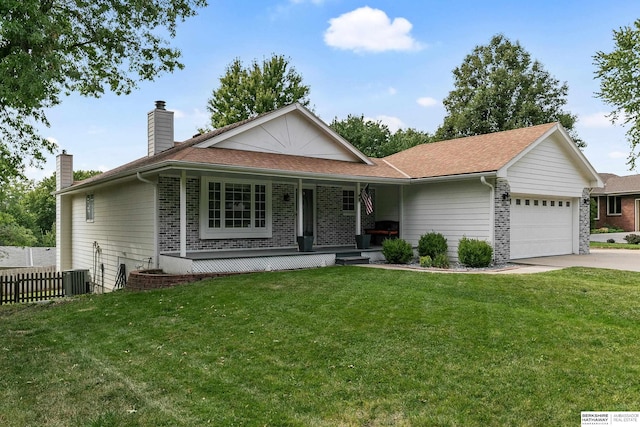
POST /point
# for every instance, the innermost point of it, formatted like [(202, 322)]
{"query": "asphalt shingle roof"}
[(614, 184), (482, 153)]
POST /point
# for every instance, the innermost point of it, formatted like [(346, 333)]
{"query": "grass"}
[(605, 245), (343, 346)]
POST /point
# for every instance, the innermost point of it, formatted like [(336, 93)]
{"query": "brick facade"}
[(502, 223), (333, 227), (625, 221)]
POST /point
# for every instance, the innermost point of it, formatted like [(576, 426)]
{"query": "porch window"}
[(596, 200), (614, 205), (348, 201), (234, 208)]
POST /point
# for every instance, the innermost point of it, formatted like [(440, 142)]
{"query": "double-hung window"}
[(614, 205), (234, 208)]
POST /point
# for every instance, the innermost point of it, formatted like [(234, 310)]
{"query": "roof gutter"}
[(488, 174)]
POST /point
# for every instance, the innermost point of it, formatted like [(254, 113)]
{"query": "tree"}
[(50, 48), (29, 210), (371, 138), (498, 87), (619, 74), (259, 88), (374, 139)]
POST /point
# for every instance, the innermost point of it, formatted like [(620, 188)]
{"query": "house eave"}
[(457, 177)]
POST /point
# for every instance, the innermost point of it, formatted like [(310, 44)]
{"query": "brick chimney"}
[(160, 130), (64, 170)]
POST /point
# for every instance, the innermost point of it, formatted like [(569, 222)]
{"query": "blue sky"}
[(388, 60)]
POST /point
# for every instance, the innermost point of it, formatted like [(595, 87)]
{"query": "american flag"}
[(365, 196)]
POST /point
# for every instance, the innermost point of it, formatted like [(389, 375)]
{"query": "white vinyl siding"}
[(123, 228), (546, 170), (455, 209)]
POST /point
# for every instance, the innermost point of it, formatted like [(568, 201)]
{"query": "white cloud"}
[(392, 91), (596, 120), (370, 30), (427, 101), (393, 123), (618, 155), (52, 139)]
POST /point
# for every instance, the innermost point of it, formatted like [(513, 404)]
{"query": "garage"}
[(541, 226)]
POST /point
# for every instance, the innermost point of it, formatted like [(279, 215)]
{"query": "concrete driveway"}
[(618, 237), (616, 259)]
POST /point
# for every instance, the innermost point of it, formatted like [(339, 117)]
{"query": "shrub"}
[(632, 239), (397, 251), (441, 261), (474, 253), (426, 261), (432, 244), (611, 241)]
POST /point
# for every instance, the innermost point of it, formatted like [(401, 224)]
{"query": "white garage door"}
[(541, 226)]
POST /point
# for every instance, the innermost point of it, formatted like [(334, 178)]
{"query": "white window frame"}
[(355, 201), (609, 210), (224, 232)]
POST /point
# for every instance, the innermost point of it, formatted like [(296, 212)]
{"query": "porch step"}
[(351, 259)]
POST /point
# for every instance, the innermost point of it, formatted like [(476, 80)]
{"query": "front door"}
[(308, 212)]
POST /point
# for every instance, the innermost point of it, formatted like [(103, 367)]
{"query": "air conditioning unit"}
[(75, 282)]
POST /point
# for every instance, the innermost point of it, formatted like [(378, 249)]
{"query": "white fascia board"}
[(461, 177), (281, 112)]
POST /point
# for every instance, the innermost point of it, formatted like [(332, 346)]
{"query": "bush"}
[(432, 244), (611, 241), (441, 261), (397, 251), (426, 261), (474, 253), (632, 239)]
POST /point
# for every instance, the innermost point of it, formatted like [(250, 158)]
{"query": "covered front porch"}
[(249, 260)]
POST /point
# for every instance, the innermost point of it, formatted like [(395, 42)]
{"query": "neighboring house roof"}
[(474, 154), (17, 256), (619, 185)]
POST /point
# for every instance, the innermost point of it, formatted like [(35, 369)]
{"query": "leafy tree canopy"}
[(498, 87), (29, 210), (374, 139), (246, 92), (619, 74), (50, 48)]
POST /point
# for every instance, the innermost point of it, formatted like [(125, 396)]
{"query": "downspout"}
[(492, 210), (156, 219)]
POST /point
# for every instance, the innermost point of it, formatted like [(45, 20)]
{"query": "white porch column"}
[(358, 209), (183, 214), (300, 219)]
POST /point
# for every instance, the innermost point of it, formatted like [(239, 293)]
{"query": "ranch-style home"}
[(618, 202), (283, 191)]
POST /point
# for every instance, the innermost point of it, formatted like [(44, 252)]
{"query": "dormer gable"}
[(291, 130)]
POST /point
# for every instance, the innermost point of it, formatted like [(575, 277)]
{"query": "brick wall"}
[(333, 227), (626, 221), (502, 224)]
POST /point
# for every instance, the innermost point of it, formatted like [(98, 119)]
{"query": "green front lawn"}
[(338, 346), (605, 245)]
